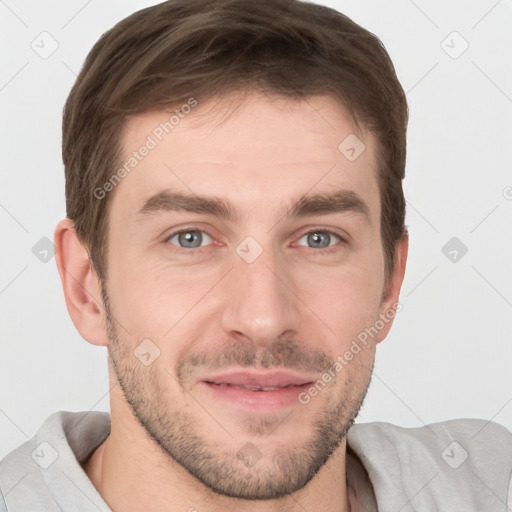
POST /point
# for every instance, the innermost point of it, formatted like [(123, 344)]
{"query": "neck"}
[(131, 472)]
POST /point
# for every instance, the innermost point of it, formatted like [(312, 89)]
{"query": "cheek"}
[(347, 300), (157, 301)]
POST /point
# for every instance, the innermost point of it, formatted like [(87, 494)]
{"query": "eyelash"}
[(324, 250)]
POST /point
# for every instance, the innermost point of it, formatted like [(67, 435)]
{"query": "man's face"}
[(242, 314)]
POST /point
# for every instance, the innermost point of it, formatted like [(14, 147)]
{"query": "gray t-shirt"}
[(463, 464)]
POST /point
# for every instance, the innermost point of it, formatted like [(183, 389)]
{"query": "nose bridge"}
[(259, 305)]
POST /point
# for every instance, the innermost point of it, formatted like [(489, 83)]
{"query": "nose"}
[(260, 304)]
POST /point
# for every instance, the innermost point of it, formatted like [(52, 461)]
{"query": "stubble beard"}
[(221, 470)]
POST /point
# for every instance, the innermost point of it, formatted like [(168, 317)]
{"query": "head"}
[(234, 200)]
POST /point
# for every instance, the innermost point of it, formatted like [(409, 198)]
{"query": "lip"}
[(255, 391), (276, 378)]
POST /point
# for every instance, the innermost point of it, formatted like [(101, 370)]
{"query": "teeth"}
[(260, 388)]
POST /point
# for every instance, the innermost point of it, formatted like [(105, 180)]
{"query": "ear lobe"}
[(388, 306), (82, 290)]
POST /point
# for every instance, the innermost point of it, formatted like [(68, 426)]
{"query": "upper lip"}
[(278, 378)]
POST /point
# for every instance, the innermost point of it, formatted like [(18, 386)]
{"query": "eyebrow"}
[(335, 202)]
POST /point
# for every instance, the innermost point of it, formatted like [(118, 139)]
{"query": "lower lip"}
[(257, 401)]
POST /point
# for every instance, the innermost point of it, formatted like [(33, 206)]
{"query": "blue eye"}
[(190, 238), (320, 239), (197, 239)]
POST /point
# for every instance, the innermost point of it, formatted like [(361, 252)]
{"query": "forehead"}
[(248, 149)]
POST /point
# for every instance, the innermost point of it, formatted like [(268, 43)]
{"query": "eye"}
[(190, 238), (320, 239)]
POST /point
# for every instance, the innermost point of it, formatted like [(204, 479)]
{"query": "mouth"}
[(252, 388), (257, 392)]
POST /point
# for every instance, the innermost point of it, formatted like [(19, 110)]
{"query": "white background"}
[(449, 354)]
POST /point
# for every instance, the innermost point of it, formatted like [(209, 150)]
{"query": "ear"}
[(390, 305), (80, 283)]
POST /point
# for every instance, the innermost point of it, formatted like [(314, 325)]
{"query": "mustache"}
[(280, 353)]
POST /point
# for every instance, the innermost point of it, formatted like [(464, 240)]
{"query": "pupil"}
[(190, 239), (319, 239)]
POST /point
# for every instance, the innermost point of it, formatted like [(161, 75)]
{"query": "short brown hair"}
[(168, 53)]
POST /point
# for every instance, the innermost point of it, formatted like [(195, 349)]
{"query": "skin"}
[(173, 446)]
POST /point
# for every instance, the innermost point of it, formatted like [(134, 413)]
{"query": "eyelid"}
[(343, 238), (168, 238)]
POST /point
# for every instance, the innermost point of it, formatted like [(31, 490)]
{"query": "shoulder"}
[(463, 462), (474, 433), (33, 475)]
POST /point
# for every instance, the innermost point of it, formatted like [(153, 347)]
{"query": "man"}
[(235, 238)]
